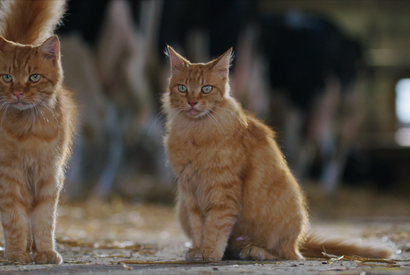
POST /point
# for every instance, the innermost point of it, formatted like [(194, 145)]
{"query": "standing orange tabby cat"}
[(236, 194), (36, 127)]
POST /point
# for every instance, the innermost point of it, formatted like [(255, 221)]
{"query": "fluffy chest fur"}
[(34, 149), (33, 133), (29, 133), (198, 154), (209, 160), (202, 147)]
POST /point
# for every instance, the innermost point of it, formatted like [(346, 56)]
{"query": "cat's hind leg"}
[(256, 253), (288, 249)]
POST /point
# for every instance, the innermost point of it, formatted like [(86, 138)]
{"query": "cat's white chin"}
[(196, 114), (22, 106), (193, 112)]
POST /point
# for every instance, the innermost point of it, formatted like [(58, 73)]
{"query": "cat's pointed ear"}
[(178, 63), (221, 64), (5, 45), (50, 49)]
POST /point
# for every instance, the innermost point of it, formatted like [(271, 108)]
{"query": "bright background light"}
[(402, 137), (403, 100)]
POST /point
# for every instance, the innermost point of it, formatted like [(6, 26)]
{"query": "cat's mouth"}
[(21, 105), (193, 112)]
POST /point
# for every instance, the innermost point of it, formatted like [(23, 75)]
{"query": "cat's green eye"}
[(207, 89), (7, 78), (35, 77), (182, 88)]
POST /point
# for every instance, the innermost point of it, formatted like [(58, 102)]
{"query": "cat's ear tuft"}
[(221, 64), (50, 49), (178, 63)]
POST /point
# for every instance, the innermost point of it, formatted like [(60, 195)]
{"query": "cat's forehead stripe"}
[(196, 75), (20, 61)]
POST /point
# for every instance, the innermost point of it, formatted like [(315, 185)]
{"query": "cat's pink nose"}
[(192, 102), (18, 94)]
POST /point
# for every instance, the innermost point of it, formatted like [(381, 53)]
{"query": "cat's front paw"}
[(48, 257), (199, 255), (194, 255), (18, 256)]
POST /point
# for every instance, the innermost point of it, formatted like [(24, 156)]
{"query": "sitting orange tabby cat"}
[(236, 194), (36, 127)]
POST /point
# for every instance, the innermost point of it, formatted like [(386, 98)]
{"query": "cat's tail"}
[(315, 245), (30, 21)]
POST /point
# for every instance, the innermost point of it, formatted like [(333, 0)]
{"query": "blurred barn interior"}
[(331, 77)]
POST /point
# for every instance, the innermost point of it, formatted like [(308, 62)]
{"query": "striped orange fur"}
[(36, 127), (236, 194)]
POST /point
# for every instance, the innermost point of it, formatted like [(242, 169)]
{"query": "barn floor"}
[(118, 237)]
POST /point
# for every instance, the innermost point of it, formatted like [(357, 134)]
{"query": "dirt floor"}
[(118, 237)]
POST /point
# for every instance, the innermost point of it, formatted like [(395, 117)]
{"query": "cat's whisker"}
[(157, 117), (42, 103), (2, 118), (36, 112), (40, 111), (174, 116), (229, 124), (51, 112), (3, 105), (228, 112), (33, 119), (48, 108), (215, 120)]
